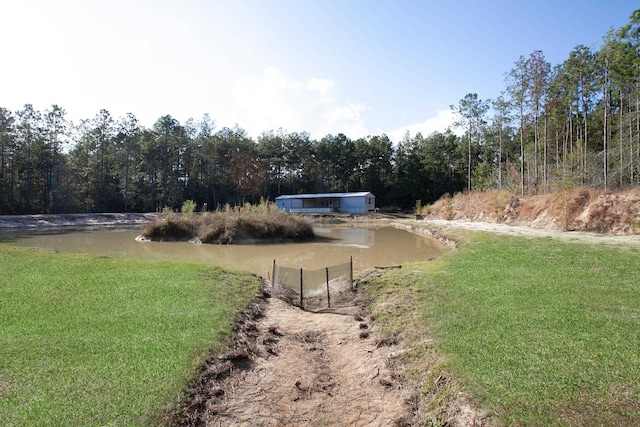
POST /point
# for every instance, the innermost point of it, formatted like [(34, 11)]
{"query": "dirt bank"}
[(585, 210), (48, 222)]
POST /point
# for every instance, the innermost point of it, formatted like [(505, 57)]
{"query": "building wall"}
[(284, 204), (358, 204), (352, 205), (331, 204)]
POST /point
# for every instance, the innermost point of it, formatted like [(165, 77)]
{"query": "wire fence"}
[(313, 288)]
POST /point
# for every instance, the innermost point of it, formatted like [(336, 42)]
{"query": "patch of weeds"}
[(231, 224)]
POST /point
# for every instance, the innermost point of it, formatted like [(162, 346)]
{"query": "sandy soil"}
[(70, 221), (291, 367), (525, 231)]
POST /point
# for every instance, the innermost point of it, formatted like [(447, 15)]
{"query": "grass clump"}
[(99, 341), (233, 225)]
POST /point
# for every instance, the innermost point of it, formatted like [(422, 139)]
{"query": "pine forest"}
[(554, 126)]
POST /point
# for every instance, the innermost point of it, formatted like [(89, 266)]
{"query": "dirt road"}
[(525, 231)]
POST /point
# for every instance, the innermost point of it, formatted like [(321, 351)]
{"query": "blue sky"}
[(351, 66)]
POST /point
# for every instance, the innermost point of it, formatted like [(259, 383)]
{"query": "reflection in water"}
[(369, 248), (355, 237)]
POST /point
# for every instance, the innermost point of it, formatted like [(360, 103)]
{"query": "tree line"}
[(553, 127)]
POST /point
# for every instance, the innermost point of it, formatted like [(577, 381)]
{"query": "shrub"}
[(170, 229), (264, 221), (418, 207), (188, 207)]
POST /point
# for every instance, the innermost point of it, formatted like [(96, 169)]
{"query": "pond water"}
[(384, 246)]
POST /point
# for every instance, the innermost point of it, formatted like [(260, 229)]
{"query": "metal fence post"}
[(351, 271), (328, 294), (273, 277), (301, 289)]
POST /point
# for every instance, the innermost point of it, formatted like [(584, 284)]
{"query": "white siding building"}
[(361, 202)]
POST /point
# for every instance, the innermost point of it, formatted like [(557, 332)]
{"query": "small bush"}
[(170, 229), (447, 208), (418, 207), (188, 207)]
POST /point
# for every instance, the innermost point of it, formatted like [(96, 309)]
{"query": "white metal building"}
[(360, 202)]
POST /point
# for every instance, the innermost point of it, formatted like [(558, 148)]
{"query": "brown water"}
[(369, 248)]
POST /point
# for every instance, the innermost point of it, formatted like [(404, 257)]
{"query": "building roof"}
[(325, 195)]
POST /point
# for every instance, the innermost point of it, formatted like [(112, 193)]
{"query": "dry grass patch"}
[(238, 224)]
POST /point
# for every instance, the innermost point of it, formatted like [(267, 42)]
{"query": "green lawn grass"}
[(539, 331), (99, 341)]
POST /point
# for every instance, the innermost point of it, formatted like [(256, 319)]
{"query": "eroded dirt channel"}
[(290, 367)]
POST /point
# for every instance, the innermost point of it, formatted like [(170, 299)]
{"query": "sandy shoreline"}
[(89, 220), (429, 226)]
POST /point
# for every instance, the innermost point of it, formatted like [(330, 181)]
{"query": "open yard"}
[(504, 330), (98, 341)]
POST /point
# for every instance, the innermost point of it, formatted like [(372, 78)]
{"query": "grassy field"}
[(540, 332), (98, 341)]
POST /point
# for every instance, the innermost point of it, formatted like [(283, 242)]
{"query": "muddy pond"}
[(384, 246)]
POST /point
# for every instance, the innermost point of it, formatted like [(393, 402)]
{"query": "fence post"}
[(301, 289), (328, 294), (273, 277), (351, 271)]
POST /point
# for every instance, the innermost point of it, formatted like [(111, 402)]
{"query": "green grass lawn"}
[(99, 341), (541, 332)]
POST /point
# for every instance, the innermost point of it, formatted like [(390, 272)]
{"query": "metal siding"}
[(353, 205), (323, 202)]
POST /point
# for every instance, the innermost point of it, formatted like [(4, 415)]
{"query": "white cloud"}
[(320, 85), (276, 100), (439, 123)]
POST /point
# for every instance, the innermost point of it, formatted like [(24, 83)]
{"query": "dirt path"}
[(526, 231), (307, 369)]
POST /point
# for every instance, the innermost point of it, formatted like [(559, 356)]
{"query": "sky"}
[(320, 66)]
